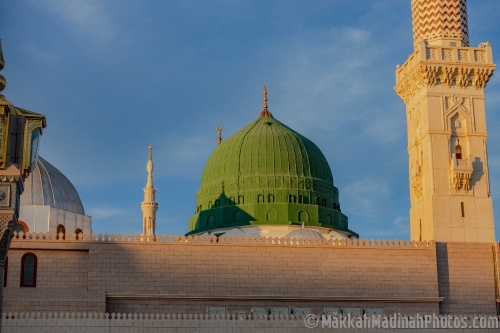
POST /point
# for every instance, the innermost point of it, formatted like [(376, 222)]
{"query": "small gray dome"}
[(304, 233), (48, 186)]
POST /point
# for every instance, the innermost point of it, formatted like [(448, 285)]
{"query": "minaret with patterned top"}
[(149, 206), (442, 84)]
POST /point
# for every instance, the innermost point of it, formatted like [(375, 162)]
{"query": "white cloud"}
[(86, 16), (182, 156), (362, 198), (104, 212)]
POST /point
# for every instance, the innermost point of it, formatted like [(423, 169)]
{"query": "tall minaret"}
[(149, 206), (442, 84)]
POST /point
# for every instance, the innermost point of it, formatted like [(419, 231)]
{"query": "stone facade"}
[(132, 273)]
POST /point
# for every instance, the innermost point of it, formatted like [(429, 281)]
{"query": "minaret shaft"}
[(149, 206), (442, 84)]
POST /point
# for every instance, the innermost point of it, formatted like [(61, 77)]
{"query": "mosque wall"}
[(174, 276), (467, 277), (189, 275)]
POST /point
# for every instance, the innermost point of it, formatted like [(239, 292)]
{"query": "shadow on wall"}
[(478, 167), (222, 213)]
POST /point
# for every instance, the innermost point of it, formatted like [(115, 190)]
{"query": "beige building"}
[(265, 243)]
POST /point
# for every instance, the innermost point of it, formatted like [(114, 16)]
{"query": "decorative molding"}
[(429, 76), (432, 65), (297, 298), (460, 174), (216, 241)]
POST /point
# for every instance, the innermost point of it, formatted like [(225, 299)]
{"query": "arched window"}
[(5, 267), (217, 203), (458, 152), (260, 198), (78, 233), (231, 201), (241, 200), (21, 227), (324, 202), (316, 201), (210, 221), (328, 219), (210, 205), (303, 216), (301, 199), (61, 230), (271, 198), (272, 215), (237, 217), (28, 270), (292, 198)]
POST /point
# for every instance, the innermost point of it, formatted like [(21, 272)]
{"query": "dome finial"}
[(219, 134), (265, 112), (150, 147)]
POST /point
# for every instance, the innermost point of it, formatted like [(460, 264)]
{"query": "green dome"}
[(267, 174), (260, 154)]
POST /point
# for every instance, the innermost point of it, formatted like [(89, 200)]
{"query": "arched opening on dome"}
[(260, 198), (61, 230), (210, 221), (271, 198), (217, 203), (303, 216), (28, 270), (237, 217), (21, 227), (272, 215), (78, 233), (231, 201)]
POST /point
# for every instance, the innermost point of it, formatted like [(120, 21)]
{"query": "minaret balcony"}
[(461, 173), (432, 65)]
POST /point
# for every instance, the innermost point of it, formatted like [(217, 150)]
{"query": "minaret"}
[(442, 84), (149, 206)]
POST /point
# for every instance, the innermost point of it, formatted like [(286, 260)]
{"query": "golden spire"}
[(3, 82), (265, 112), (219, 134)]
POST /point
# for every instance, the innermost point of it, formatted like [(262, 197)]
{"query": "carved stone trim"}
[(424, 76)]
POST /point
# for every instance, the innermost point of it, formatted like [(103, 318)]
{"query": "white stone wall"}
[(43, 218)]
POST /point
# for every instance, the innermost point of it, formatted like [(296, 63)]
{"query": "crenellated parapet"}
[(213, 240), (450, 66)]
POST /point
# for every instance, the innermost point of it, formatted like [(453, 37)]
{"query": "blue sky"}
[(115, 76)]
